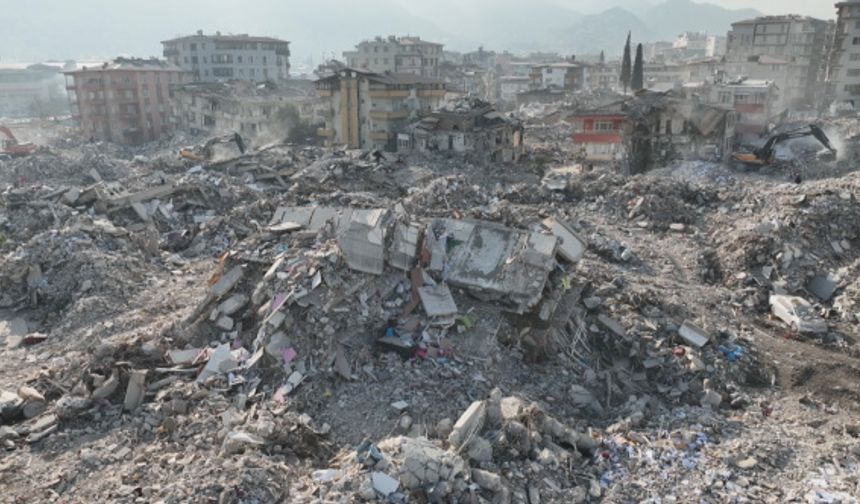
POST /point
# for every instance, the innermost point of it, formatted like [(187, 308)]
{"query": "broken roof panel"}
[(499, 262)]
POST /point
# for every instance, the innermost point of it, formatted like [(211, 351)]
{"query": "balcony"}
[(380, 114), (388, 93), (379, 135), (171, 52), (427, 93)]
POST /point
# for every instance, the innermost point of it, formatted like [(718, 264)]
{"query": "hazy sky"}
[(32, 30)]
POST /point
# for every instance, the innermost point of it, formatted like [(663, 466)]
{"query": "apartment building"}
[(230, 57), (250, 109), (126, 101), (32, 90), (409, 55), (799, 41), (844, 71), (366, 110), (598, 133), (754, 102), (562, 75)]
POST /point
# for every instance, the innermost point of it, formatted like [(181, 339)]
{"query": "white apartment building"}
[(409, 55), (799, 42), (844, 74), (230, 57)]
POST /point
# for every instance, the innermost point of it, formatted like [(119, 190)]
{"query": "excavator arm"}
[(11, 146), (765, 154)]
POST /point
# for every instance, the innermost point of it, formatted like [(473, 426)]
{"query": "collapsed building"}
[(466, 126), (663, 127), (240, 106), (366, 110)]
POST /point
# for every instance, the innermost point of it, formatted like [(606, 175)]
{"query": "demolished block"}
[(363, 241), (229, 280), (404, 247), (694, 335), (497, 262), (437, 300), (469, 423), (571, 245), (135, 391), (233, 304)]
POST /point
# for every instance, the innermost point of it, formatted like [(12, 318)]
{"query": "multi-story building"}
[(125, 101), (844, 71), (598, 133), (396, 55), (366, 110), (800, 41), (230, 57), (32, 91), (511, 85), (605, 76), (699, 45), (753, 101), (468, 126), (250, 109), (565, 75)]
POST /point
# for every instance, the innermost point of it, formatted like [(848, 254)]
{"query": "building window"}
[(855, 57), (855, 41), (853, 72), (264, 60), (193, 47), (194, 60), (250, 59), (604, 126)]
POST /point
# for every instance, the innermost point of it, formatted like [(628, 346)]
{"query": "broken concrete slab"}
[(487, 480), (233, 304), (362, 240), (404, 246), (469, 423), (612, 325), (694, 335), (496, 262), (822, 286), (437, 300), (571, 244), (136, 389), (383, 483), (227, 281)]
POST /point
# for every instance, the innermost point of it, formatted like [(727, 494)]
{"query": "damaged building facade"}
[(240, 106), (126, 101), (754, 102), (468, 126), (365, 110), (664, 127), (396, 55), (598, 133)]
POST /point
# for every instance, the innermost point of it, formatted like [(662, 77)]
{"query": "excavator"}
[(204, 152), (9, 145), (765, 154)]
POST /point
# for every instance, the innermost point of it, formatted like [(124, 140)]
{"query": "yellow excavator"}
[(765, 154), (204, 153)]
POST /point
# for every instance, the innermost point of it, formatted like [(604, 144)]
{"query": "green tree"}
[(625, 65), (637, 81)]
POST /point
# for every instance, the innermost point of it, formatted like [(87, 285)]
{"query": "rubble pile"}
[(293, 324)]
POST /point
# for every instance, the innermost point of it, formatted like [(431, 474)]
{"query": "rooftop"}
[(131, 64), (230, 37), (777, 19)]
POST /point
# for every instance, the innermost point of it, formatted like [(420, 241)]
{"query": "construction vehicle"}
[(10, 146), (766, 154), (202, 153)]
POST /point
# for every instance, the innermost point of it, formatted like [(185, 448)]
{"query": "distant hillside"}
[(607, 30)]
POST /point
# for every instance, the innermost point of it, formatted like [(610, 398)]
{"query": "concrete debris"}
[(310, 322), (693, 334)]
